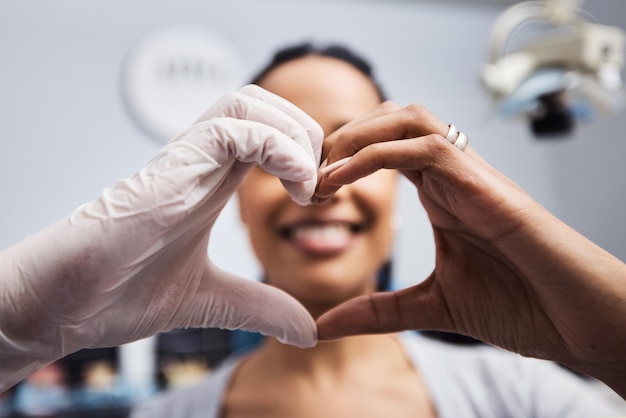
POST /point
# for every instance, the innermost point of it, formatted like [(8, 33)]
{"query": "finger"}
[(450, 169), (412, 308), (393, 124), (223, 139), (254, 103), (389, 122), (240, 106), (383, 109), (200, 164), (428, 153), (301, 192), (313, 129), (237, 303)]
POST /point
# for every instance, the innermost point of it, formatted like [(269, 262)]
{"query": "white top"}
[(464, 381)]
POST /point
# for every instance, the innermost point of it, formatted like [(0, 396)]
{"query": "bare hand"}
[(507, 271)]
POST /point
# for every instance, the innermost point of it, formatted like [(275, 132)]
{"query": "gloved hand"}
[(134, 262)]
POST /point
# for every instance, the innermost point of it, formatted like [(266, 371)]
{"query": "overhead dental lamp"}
[(568, 70)]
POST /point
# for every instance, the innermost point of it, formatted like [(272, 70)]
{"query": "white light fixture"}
[(564, 73)]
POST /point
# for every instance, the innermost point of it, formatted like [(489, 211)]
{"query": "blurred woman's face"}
[(321, 254)]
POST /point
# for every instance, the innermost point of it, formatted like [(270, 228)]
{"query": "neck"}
[(336, 357)]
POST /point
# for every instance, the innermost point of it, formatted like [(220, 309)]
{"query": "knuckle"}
[(415, 111), (437, 149), (389, 106)]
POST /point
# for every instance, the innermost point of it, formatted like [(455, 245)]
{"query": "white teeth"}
[(322, 233)]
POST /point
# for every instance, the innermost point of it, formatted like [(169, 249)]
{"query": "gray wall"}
[(66, 133)]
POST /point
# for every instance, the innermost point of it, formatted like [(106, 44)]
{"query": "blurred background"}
[(89, 91)]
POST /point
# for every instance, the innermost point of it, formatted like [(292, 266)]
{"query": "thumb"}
[(238, 303), (411, 308)]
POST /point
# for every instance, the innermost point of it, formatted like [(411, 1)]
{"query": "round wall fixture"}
[(174, 74)]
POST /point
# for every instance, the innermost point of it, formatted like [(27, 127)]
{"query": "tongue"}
[(322, 237)]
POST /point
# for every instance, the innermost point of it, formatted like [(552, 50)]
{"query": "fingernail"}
[(327, 169)]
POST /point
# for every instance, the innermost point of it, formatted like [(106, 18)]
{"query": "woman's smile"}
[(321, 237)]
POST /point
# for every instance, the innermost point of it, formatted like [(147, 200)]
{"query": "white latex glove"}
[(134, 262)]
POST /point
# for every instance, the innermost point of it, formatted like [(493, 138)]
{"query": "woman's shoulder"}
[(477, 360), (202, 399), (487, 378)]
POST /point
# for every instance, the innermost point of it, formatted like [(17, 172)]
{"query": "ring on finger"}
[(457, 138)]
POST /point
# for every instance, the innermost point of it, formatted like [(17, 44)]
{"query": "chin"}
[(327, 299), (324, 287)]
